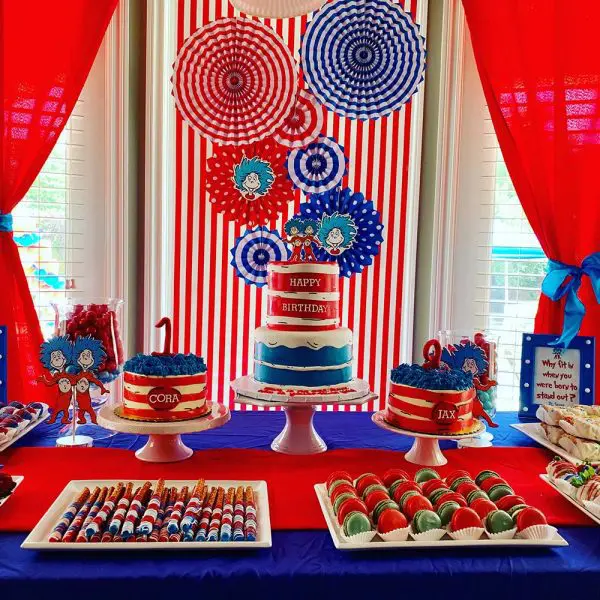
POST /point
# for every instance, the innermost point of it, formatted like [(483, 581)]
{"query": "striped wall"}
[(215, 313)]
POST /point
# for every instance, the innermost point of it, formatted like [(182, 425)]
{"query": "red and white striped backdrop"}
[(214, 312)]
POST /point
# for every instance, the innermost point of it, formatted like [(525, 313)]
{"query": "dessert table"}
[(305, 562)]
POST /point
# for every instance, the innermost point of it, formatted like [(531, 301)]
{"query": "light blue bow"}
[(6, 222), (564, 280)]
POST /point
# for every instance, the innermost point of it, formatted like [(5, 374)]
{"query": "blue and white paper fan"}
[(319, 167), (363, 59), (253, 251)]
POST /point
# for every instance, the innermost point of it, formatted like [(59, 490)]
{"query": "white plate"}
[(573, 501), (45, 414), (378, 544), (17, 479), (38, 538)]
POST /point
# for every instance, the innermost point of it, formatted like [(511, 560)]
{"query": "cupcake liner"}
[(593, 507), (360, 538), (469, 533), (538, 532), (433, 535), (397, 535), (503, 535)]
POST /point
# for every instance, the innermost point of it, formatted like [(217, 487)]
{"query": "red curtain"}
[(47, 49), (539, 64)]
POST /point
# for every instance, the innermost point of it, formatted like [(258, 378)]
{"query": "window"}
[(498, 265)]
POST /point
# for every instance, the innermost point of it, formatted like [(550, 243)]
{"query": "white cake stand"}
[(164, 439), (425, 450), (299, 435)]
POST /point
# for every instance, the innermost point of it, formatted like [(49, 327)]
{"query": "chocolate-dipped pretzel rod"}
[(135, 511), (215, 520), (164, 502), (227, 518), (97, 524), (250, 516), (94, 510), (81, 516), (194, 506), (206, 515), (239, 512), (178, 510), (69, 515), (192, 527), (163, 535), (122, 507), (151, 512)]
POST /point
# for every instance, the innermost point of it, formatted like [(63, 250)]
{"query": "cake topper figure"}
[(253, 177), (166, 323), (336, 233), (310, 231), (294, 236)]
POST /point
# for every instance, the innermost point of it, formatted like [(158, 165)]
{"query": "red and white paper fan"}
[(277, 9), (304, 123), (234, 81), (249, 184)]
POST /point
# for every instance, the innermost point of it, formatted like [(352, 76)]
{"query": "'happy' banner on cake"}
[(215, 313)]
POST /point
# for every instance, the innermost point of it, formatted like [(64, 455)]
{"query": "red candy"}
[(341, 489), (414, 504), (507, 502), (456, 474), (452, 496), (344, 475), (362, 483), (391, 519), (490, 482), (433, 484), (483, 507), (528, 517), (392, 475), (463, 518), (405, 486), (465, 488), (350, 505), (374, 498)]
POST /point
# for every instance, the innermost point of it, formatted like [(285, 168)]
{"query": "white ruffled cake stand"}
[(425, 450), (164, 439), (299, 435)]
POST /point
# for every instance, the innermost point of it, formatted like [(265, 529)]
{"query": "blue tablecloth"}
[(304, 563)]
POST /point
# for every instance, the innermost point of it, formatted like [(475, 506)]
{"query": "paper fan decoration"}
[(249, 184), (319, 167), (277, 9), (362, 60), (253, 251), (303, 124), (234, 81), (350, 229)]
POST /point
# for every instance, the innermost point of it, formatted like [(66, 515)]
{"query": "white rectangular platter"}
[(45, 414), (378, 544), (38, 538), (17, 479), (535, 432), (573, 501)]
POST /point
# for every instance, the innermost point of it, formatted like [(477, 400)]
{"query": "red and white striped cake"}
[(164, 398)]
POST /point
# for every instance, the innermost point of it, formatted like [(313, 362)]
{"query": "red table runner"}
[(290, 479)]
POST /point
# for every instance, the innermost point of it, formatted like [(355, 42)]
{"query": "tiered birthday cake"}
[(164, 388), (303, 344)]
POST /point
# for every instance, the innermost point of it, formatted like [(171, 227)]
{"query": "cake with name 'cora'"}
[(434, 400), (303, 344)]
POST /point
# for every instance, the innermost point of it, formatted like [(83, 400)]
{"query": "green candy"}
[(498, 491), (446, 510), (372, 488), (423, 475), (355, 523), (498, 521), (340, 499), (513, 510), (437, 494), (406, 496), (484, 475), (425, 520), (474, 495), (381, 506), (395, 485), (458, 481)]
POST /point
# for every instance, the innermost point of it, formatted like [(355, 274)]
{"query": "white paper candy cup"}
[(397, 535), (469, 533), (503, 535), (360, 538), (538, 532), (433, 535)]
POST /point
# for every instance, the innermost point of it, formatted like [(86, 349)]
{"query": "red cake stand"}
[(425, 450), (164, 439)]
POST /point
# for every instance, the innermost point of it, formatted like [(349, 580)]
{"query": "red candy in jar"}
[(528, 517), (392, 475), (374, 498), (390, 520), (456, 474), (350, 505), (490, 482), (507, 502), (463, 518), (404, 487), (343, 488), (483, 507), (365, 480), (431, 485), (414, 504)]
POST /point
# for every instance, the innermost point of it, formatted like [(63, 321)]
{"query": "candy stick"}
[(227, 519), (168, 493), (63, 524), (79, 519), (81, 537), (119, 515), (97, 524), (163, 535), (194, 506), (206, 514), (134, 512), (178, 509), (238, 515), (151, 512), (215, 520), (250, 516)]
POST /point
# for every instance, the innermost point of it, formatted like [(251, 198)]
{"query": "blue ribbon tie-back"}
[(6, 222), (565, 280)]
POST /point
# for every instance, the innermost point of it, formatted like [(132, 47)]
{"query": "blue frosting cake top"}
[(176, 364), (432, 379)]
